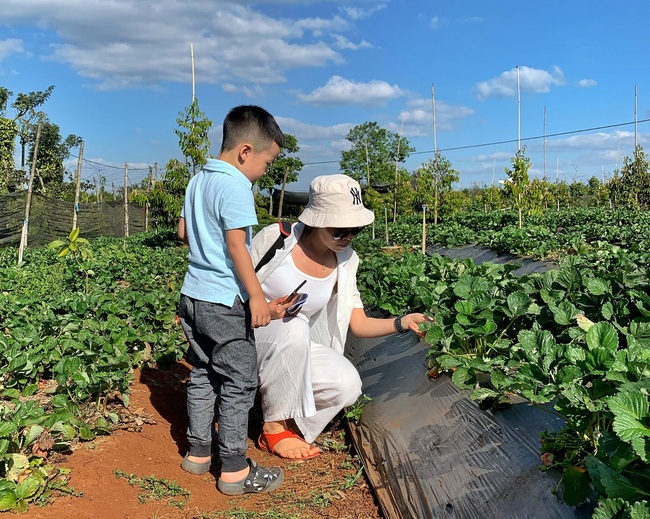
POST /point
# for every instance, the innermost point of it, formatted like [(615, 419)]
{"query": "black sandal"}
[(259, 479)]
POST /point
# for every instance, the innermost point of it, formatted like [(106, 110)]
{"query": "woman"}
[(304, 379)]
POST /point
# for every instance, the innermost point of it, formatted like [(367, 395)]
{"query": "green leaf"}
[(602, 335), (598, 287), (56, 244), (4, 446), (85, 433), (482, 393), (564, 313), (518, 303), (433, 334), (607, 311), (7, 429), (576, 485), (630, 408), (462, 378), (7, 500), (28, 487), (608, 509), (32, 434), (614, 484)]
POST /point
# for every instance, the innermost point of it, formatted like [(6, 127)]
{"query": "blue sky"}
[(122, 73)]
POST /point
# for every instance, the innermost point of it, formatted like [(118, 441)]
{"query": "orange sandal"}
[(268, 441)]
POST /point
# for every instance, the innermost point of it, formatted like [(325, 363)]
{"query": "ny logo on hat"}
[(356, 196)]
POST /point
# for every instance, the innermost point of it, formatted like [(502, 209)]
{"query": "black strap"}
[(285, 230)]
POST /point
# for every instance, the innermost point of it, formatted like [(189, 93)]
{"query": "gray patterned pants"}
[(223, 378)]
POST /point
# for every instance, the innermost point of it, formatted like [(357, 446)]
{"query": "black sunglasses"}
[(339, 234)]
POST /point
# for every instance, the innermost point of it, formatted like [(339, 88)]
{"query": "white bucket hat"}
[(335, 201)]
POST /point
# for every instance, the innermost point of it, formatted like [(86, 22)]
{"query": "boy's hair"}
[(249, 123)]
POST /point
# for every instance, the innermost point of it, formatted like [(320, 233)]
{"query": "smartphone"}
[(297, 304), (292, 294)]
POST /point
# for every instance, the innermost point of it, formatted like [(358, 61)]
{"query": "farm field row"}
[(75, 328)]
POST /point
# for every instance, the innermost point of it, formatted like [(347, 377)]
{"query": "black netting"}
[(51, 219)]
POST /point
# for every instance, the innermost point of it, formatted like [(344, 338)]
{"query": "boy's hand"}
[(278, 307), (260, 313)]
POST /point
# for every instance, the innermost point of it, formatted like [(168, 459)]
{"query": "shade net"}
[(51, 219)]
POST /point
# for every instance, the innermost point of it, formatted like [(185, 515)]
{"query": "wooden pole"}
[(399, 141), (367, 163), (77, 185), (435, 159), (544, 143), (386, 222), (28, 203), (126, 200), (424, 228), (518, 112), (96, 189), (635, 118), (146, 205), (192, 57)]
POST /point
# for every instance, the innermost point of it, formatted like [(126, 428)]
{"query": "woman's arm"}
[(366, 327)]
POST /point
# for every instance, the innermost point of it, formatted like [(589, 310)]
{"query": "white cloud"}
[(341, 91), (586, 83), (313, 132), (342, 43), (418, 117), (129, 42), (530, 80), (359, 13), (434, 22), (9, 47), (592, 141)]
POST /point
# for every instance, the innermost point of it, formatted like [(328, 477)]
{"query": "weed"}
[(153, 488), (355, 411)]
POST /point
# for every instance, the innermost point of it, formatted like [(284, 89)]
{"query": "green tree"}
[(374, 152), (166, 197), (27, 117), (434, 185), (53, 150), (193, 138), (8, 133), (632, 187), (283, 171), (560, 194), (516, 184)]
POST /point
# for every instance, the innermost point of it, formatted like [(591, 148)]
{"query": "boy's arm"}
[(182, 233), (241, 259)]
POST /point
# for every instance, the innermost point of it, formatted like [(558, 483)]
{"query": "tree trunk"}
[(284, 185)]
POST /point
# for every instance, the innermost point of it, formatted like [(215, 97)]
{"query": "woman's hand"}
[(412, 321), (278, 307)]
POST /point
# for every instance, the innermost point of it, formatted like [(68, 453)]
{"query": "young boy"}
[(221, 300)]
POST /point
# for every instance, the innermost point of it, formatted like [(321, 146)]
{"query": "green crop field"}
[(575, 338)]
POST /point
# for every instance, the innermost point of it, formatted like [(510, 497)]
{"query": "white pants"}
[(300, 379)]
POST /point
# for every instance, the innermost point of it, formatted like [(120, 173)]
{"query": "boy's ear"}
[(245, 151)]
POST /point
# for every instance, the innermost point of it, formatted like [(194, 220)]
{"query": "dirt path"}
[(314, 488)]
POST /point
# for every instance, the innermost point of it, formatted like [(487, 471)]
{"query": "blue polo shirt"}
[(218, 198)]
